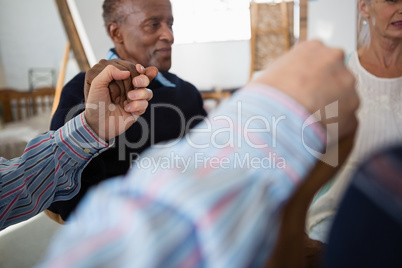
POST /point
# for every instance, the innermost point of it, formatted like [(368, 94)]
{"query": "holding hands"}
[(116, 95)]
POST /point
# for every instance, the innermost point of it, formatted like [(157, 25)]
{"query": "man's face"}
[(147, 34)]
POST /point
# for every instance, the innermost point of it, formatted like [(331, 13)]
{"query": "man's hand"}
[(108, 119), (315, 76), (118, 88)]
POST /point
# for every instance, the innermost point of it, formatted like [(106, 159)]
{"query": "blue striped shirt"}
[(212, 199), (49, 170)]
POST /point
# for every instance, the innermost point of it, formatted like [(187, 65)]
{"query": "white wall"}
[(2, 73), (208, 65), (333, 22), (32, 35)]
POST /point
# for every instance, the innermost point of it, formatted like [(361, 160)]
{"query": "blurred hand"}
[(106, 118), (315, 76)]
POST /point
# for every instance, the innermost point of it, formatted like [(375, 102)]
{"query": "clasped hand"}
[(116, 95)]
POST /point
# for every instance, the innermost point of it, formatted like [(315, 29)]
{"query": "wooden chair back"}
[(294, 248), (19, 105), (215, 97)]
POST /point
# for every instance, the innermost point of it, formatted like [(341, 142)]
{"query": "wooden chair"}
[(271, 32), (6, 111), (18, 105), (215, 96), (294, 248), (42, 99)]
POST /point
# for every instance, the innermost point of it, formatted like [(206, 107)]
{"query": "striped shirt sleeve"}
[(49, 170), (211, 199)]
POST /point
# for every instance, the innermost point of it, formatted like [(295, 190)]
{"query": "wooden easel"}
[(60, 79), (73, 44)]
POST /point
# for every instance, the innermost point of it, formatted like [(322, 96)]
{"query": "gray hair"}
[(363, 30), (112, 11)]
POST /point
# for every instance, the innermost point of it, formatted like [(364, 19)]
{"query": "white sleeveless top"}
[(380, 125)]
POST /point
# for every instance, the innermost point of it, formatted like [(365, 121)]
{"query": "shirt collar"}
[(111, 54)]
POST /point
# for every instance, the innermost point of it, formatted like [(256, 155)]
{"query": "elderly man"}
[(141, 31)]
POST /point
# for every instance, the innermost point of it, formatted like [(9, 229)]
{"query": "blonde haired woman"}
[(377, 65)]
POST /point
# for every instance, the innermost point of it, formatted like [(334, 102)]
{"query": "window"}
[(214, 20), (211, 20)]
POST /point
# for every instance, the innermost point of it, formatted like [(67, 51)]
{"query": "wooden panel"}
[(271, 32), (303, 20)]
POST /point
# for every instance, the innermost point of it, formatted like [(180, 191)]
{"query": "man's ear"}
[(113, 30), (364, 8)]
